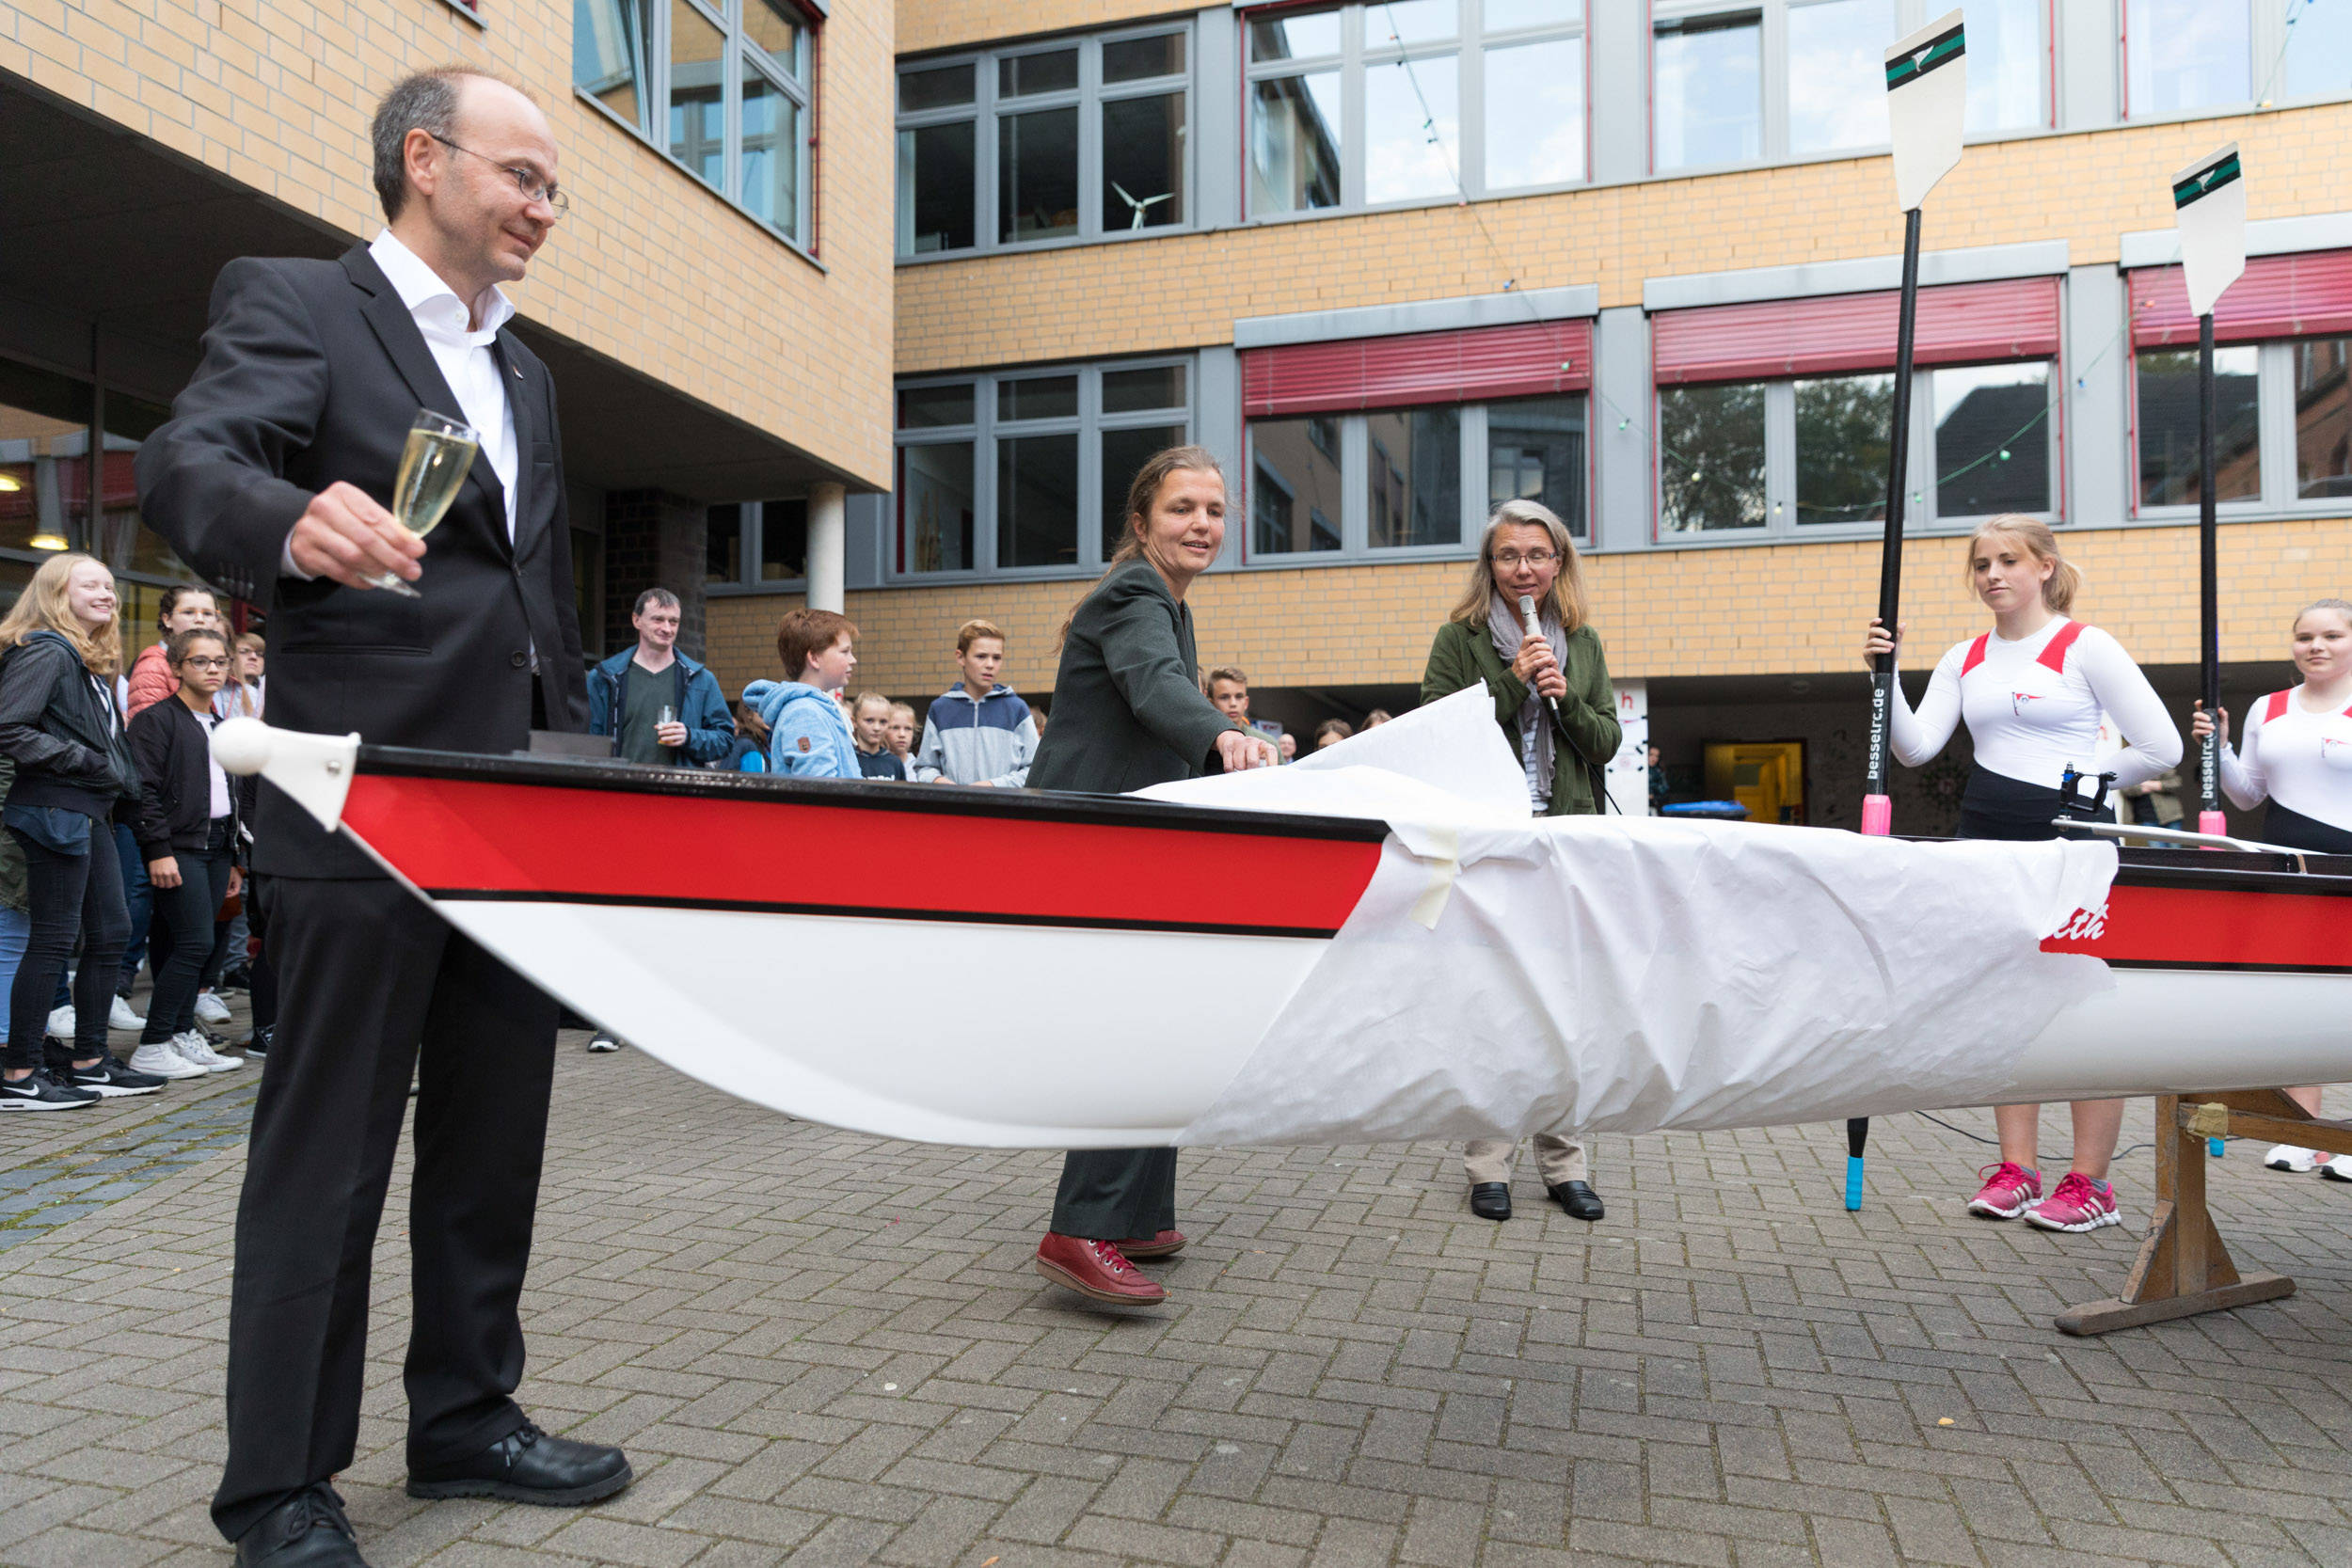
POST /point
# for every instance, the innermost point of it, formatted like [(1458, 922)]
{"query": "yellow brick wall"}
[(926, 25), (1769, 610), (650, 268), (1186, 290)]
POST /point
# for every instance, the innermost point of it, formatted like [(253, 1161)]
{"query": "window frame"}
[(1774, 59), (2274, 431), (989, 107), (753, 519), (1921, 515), (1468, 48), (982, 434), (1353, 461), (738, 56)]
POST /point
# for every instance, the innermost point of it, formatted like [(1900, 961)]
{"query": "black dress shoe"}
[(1490, 1201), (529, 1466), (307, 1531), (1579, 1199)]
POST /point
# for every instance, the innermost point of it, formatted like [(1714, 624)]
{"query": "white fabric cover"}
[(1506, 974)]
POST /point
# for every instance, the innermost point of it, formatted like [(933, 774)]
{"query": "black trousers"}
[(1115, 1194), (185, 912), (73, 895), (369, 975)]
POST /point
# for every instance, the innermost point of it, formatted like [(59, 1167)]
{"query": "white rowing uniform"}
[(2298, 758), (2033, 708)]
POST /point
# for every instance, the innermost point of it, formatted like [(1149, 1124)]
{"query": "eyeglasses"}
[(1512, 559), (526, 180), (204, 663)]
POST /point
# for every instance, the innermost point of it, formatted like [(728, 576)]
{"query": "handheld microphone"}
[(1535, 629)]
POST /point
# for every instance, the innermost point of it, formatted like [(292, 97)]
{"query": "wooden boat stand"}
[(2182, 1267)]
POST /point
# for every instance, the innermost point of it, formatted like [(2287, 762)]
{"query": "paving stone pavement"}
[(827, 1349)]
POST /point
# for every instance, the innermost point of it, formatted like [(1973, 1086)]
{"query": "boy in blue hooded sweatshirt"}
[(807, 732)]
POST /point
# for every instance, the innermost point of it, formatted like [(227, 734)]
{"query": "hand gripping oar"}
[(1926, 102)]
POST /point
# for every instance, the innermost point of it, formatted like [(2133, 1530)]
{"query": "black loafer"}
[(529, 1466), (1579, 1199), (307, 1531), (1490, 1201)]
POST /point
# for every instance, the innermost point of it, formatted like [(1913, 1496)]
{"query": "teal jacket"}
[(1586, 730)]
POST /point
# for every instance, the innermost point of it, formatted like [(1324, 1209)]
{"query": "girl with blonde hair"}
[(2033, 691)]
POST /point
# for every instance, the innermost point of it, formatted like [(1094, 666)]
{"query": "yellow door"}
[(1765, 776)]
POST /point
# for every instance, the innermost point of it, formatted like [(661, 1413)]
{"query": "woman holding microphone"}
[(2296, 753), (2033, 691), (1553, 698), (1128, 713)]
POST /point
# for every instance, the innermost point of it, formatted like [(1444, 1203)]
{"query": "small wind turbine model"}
[(1139, 206)]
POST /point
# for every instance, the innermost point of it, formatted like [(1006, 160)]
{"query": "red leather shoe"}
[(1165, 1244), (1097, 1270)]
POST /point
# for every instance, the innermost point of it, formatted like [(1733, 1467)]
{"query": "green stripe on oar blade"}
[(1939, 51), (2205, 181)]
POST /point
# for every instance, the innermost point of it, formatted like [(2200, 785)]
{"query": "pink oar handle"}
[(1878, 816)]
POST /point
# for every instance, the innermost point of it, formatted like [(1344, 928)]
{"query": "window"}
[(1081, 140), (756, 543), (1733, 84), (682, 74), (1030, 470), (1295, 486), (2184, 55), (2167, 412), (1993, 454), (2317, 60), (2323, 419), (45, 474), (1369, 104), (1842, 447), (1710, 458), (1536, 451)]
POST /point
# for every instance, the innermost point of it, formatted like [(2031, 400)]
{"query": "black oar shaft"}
[(2208, 572), (1891, 546)]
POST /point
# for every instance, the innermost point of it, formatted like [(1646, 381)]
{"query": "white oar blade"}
[(2209, 208), (1927, 103)]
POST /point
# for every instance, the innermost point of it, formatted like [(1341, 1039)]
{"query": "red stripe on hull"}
[(525, 839), (2213, 928)]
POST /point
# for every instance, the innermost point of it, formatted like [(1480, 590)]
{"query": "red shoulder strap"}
[(2055, 654), (1975, 654), (2275, 708)]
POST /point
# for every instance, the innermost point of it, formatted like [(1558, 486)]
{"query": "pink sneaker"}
[(2079, 1204), (2012, 1190)]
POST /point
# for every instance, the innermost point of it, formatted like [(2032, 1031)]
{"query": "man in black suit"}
[(271, 479)]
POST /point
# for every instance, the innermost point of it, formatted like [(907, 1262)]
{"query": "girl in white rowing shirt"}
[(2296, 753), (2033, 691)]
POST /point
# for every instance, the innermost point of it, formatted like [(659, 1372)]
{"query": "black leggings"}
[(73, 895), (186, 911)]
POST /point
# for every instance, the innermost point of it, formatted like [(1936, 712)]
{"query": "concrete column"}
[(827, 545)]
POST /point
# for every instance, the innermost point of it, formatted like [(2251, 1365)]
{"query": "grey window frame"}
[(748, 580), (739, 54), (1089, 424), (2274, 428), (1774, 61), (1356, 56), (1920, 516), (1087, 97), (1354, 463)]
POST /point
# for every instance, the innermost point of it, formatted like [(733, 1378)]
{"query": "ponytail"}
[(2065, 579)]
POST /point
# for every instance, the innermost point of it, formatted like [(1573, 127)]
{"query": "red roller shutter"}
[(2277, 297), (1468, 366), (1958, 323)]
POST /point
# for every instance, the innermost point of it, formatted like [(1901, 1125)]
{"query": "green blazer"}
[(1586, 730), (1127, 705)]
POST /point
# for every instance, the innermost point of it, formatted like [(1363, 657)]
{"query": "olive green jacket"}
[(1586, 729), (1127, 705)]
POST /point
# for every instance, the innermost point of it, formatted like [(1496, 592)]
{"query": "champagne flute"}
[(432, 467)]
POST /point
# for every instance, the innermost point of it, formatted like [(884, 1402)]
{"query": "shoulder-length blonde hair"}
[(2059, 588), (1567, 603), (42, 606)]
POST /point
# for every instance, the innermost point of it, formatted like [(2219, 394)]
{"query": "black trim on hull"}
[(973, 917), (2226, 968)]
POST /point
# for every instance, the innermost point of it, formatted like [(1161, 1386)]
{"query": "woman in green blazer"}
[(1553, 699), (1128, 712)]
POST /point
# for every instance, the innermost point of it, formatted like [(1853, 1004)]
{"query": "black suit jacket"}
[(312, 373)]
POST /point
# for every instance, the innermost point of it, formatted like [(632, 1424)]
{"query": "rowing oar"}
[(2209, 211), (1926, 102)]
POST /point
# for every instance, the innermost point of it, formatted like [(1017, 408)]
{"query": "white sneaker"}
[(211, 1008), (2302, 1162), (2337, 1167), (121, 1017), (196, 1052), (158, 1057), (61, 1023)]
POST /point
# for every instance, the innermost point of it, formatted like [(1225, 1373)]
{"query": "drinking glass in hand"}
[(432, 467)]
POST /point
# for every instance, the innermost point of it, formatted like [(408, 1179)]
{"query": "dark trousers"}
[(186, 913), (139, 902), (1115, 1194), (370, 974), (73, 895), (264, 995)]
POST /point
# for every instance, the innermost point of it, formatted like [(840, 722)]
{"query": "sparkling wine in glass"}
[(432, 467)]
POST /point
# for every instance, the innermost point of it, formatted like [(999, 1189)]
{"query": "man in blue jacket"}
[(627, 692)]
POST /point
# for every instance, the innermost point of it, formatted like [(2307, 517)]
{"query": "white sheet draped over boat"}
[(1509, 974)]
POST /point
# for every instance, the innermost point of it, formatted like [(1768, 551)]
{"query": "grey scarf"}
[(1503, 626)]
